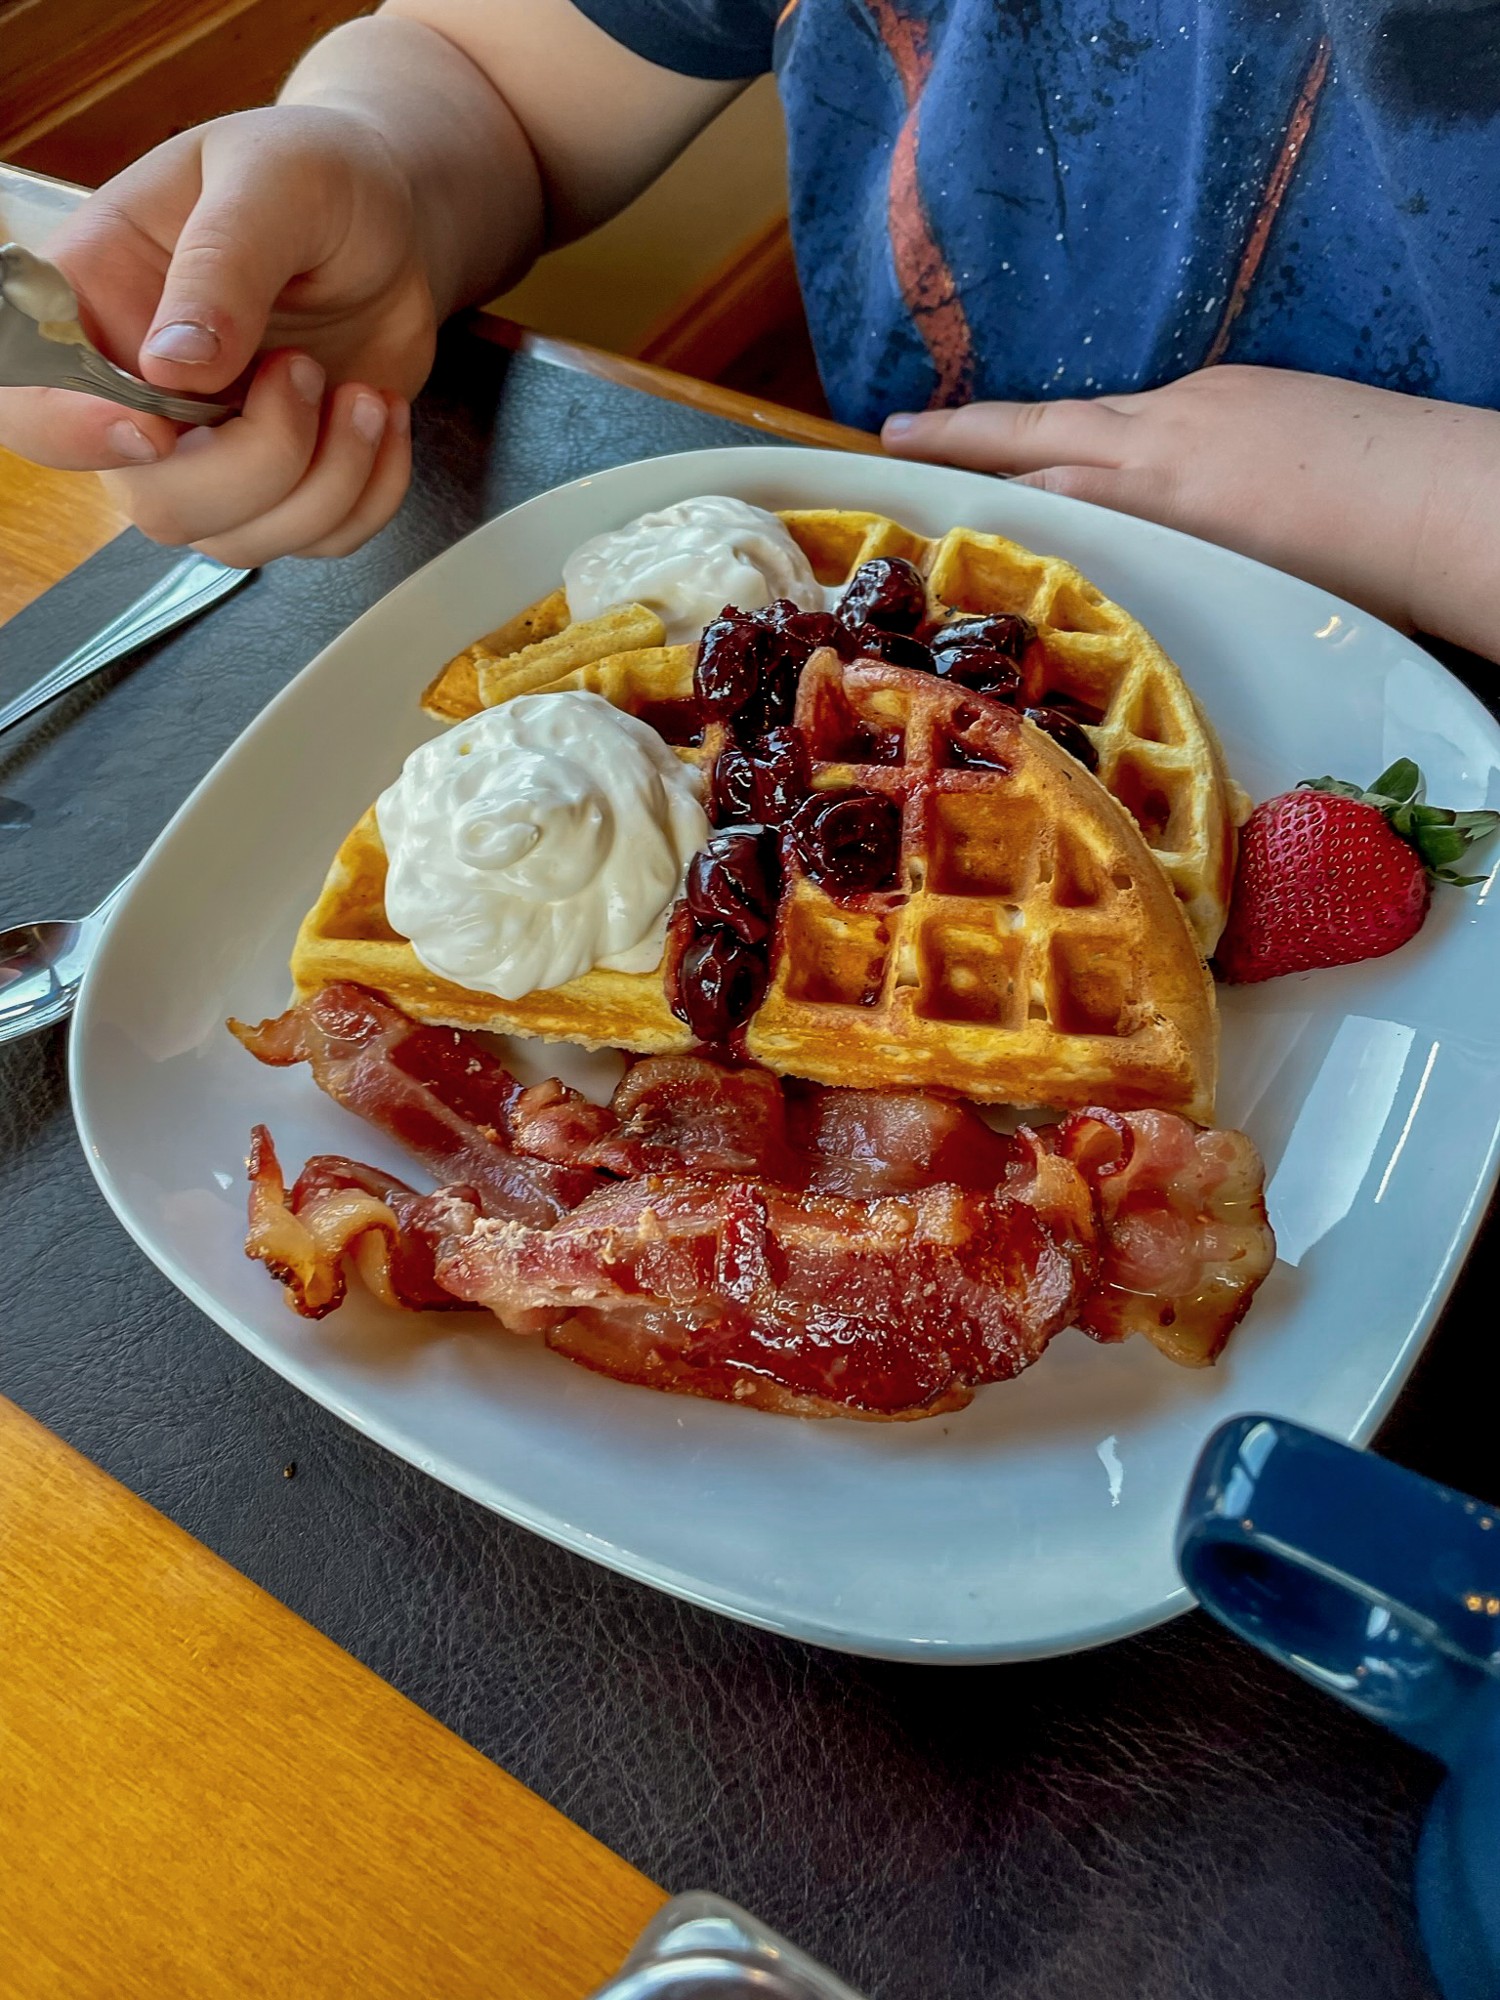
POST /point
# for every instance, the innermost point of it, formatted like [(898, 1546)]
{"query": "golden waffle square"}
[(1157, 753), (1030, 951)]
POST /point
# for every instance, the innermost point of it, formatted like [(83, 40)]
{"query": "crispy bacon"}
[(551, 1122), (897, 1305), (443, 1095), (339, 1208), (685, 1114), (885, 1141), (713, 1230), (1182, 1215)]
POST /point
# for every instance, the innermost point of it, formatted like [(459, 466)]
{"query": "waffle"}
[(1030, 952), (345, 934), (1157, 752)]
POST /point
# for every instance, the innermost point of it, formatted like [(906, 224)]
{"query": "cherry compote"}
[(762, 782), (720, 983), (783, 774), (731, 796), (1066, 732), (733, 881), (898, 649), (848, 841), (1003, 632), (985, 671), (773, 705), (821, 628), (732, 656), (779, 613), (887, 591), (1071, 704)]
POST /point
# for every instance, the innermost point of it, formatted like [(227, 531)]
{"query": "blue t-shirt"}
[(1040, 198)]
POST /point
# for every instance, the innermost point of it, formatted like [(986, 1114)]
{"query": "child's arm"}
[(416, 161), (1392, 501)]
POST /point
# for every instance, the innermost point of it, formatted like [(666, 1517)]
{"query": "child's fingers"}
[(357, 443), (1151, 493), (1011, 437), (256, 222), (80, 433), (382, 495), (217, 480), (1098, 484)]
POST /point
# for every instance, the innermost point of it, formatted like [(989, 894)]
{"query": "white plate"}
[(1036, 1521)]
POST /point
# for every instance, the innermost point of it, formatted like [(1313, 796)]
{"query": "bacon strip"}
[(439, 1092), (685, 1114), (898, 1305), (1185, 1239), (873, 1252), (339, 1208)]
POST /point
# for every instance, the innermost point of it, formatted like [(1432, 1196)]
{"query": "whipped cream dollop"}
[(687, 562), (536, 840)]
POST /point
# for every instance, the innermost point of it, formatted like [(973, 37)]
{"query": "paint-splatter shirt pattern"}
[(1027, 198)]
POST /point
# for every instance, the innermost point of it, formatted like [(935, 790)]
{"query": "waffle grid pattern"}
[(1157, 752), (1029, 951)]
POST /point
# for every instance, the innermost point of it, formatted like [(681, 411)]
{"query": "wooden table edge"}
[(757, 413), (203, 1794)]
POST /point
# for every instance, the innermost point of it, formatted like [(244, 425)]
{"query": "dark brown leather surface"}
[(1165, 1819)]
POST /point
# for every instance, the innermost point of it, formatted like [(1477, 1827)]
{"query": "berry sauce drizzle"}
[(761, 802)]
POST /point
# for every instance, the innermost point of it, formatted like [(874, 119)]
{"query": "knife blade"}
[(189, 587)]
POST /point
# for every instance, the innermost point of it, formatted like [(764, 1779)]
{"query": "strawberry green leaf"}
[(1401, 783), (1439, 845), (1439, 836), (1336, 785)]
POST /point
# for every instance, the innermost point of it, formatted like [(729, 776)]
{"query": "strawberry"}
[(1329, 874)]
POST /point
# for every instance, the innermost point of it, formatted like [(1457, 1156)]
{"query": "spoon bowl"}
[(42, 964), (43, 346)]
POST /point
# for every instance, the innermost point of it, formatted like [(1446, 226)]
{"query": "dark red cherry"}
[(887, 591), (821, 628), (1005, 632), (848, 841), (783, 774), (1071, 704), (778, 613), (731, 795), (733, 881), (1065, 731), (732, 655), (986, 672), (778, 688), (898, 649), (719, 984)]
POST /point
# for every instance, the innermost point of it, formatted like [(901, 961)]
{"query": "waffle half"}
[(1030, 951), (1157, 752)]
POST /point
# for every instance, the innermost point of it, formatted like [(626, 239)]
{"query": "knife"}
[(187, 588)]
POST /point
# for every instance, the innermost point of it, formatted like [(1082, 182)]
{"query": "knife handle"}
[(191, 585)]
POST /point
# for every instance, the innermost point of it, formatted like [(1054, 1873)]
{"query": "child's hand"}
[(1392, 501), (289, 228)]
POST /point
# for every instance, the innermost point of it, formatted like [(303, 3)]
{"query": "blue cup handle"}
[(1378, 1586)]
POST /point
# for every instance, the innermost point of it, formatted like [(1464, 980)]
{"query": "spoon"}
[(43, 346), (41, 965)]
